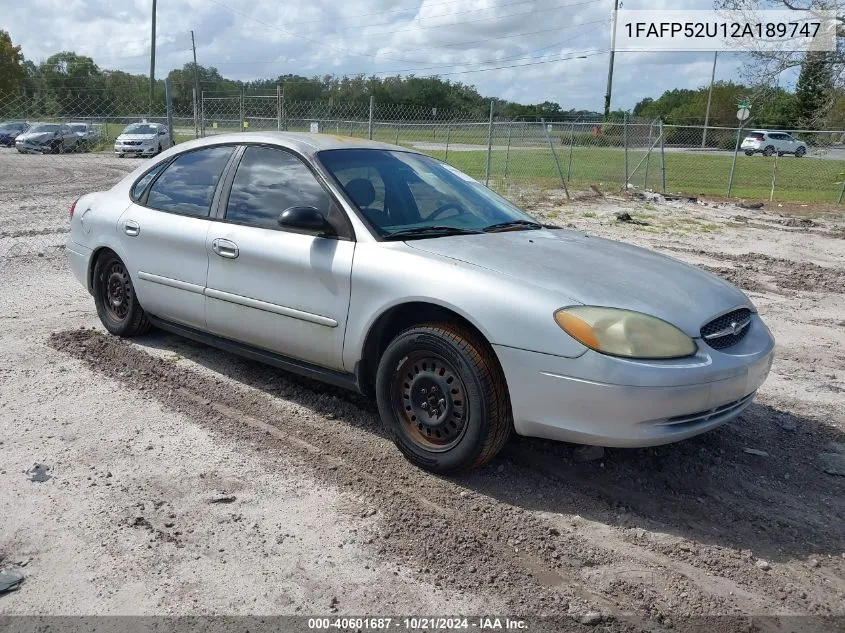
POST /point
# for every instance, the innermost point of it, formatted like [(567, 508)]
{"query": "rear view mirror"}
[(307, 219)]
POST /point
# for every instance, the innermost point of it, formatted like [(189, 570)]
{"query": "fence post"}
[(508, 151), (841, 191), (625, 140), (169, 105), (202, 113), (554, 155), (489, 147), (398, 125), (648, 154), (774, 177), (733, 164), (242, 111), (278, 108), (196, 119), (370, 122), (662, 157), (448, 136), (571, 144)]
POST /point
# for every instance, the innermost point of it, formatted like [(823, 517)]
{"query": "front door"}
[(280, 290)]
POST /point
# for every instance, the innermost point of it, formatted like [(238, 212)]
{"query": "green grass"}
[(800, 180)]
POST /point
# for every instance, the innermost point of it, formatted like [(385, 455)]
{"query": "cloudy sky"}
[(524, 50)]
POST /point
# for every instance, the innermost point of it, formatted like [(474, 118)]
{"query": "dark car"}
[(10, 130)]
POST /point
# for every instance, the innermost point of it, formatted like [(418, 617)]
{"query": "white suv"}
[(767, 143)]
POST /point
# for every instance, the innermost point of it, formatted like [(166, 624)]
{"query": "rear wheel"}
[(748, 152), (114, 296), (768, 151), (442, 398)]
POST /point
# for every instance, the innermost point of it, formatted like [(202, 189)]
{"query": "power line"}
[(581, 54)]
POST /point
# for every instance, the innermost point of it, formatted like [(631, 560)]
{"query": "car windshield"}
[(407, 194), (140, 128), (77, 127), (49, 127), (11, 127)]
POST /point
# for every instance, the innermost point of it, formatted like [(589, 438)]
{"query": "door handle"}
[(131, 228), (225, 248)]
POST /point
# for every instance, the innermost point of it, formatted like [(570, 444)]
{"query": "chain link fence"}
[(521, 158)]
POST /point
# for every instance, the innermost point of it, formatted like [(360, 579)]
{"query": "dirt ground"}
[(184, 480)]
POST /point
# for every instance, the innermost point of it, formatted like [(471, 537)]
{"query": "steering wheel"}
[(445, 207)]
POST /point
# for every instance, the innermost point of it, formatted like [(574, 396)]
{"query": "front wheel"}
[(800, 152), (114, 296), (443, 398)]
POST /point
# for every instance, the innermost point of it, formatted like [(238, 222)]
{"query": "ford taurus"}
[(386, 271)]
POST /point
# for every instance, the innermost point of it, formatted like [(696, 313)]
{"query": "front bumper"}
[(607, 401), (32, 148), (137, 150)]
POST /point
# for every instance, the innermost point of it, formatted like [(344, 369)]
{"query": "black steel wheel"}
[(768, 151), (800, 152), (442, 397), (114, 296), (430, 400)]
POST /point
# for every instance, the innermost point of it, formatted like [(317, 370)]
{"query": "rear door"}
[(163, 234), (281, 290)]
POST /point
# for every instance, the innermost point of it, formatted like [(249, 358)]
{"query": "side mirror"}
[(307, 219)]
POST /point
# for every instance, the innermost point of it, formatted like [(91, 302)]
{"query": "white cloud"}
[(264, 38)]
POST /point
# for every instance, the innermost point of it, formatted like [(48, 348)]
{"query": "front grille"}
[(131, 142), (728, 329)]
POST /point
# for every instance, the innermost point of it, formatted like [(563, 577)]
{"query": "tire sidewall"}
[(463, 455)]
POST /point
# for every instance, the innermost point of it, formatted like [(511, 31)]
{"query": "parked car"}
[(379, 269), (142, 139), (47, 138), (89, 134), (767, 143), (10, 130)]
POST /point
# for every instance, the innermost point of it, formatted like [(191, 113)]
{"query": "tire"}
[(780, 154), (748, 152), (114, 296), (768, 151), (800, 152), (121, 155), (422, 368)]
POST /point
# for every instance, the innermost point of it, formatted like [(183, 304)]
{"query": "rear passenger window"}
[(141, 185), (187, 184), (267, 182)]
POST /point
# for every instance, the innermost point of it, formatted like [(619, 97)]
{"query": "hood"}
[(595, 271), (136, 137), (35, 136)]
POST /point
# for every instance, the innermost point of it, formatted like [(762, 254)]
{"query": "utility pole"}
[(196, 83), (612, 55), (153, 59), (709, 98)]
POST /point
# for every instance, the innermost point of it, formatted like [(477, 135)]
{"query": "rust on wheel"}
[(429, 398), (117, 291)]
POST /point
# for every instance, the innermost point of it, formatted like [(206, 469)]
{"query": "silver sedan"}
[(383, 270)]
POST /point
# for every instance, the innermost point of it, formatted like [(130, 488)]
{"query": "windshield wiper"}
[(430, 231), (512, 224)]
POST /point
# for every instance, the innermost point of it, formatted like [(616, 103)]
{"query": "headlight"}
[(624, 333)]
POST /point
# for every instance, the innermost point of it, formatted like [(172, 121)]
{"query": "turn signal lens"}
[(624, 333)]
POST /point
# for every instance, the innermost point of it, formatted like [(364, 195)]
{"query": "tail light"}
[(760, 137), (73, 208)]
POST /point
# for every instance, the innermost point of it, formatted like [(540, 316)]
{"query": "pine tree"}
[(814, 91)]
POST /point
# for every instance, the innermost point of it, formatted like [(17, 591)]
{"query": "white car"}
[(767, 143), (142, 139)]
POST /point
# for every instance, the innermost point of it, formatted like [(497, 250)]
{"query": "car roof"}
[(302, 142)]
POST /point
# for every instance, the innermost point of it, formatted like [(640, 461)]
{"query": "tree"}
[(814, 92), (11, 65)]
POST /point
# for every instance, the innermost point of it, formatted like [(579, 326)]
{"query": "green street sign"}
[(744, 104)]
